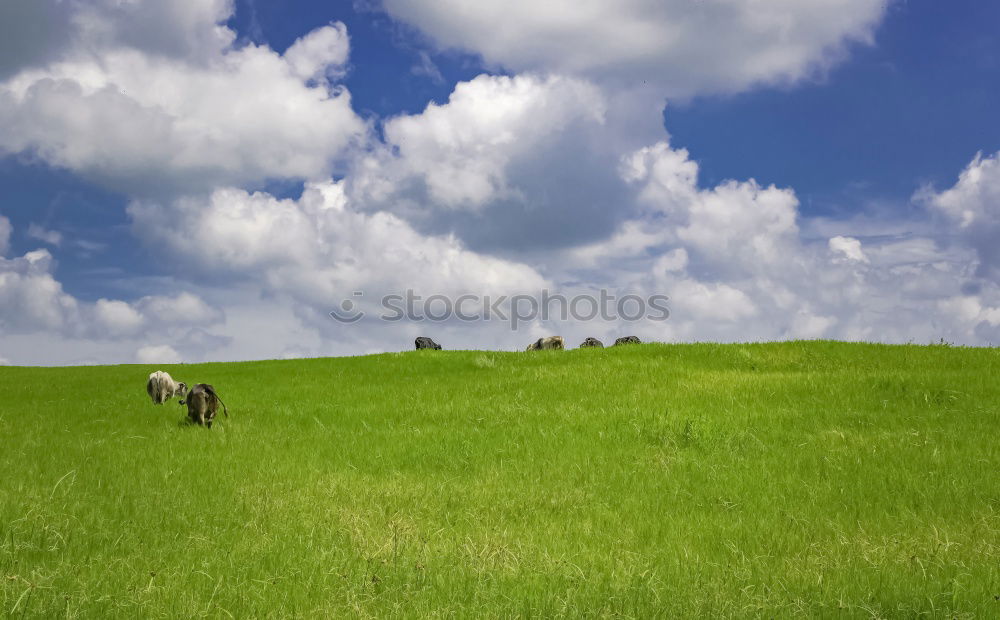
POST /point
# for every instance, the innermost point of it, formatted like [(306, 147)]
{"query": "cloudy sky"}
[(208, 179)]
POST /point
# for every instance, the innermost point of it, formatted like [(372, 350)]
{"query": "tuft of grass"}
[(485, 361), (798, 478)]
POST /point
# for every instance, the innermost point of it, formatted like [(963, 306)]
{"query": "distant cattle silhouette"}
[(550, 343), (426, 343), (592, 342), (627, 340)]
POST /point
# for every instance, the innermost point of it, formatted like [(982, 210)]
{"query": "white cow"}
[(161, 387)]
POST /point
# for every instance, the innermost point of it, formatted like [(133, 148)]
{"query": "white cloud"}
[(51, 237), (847, 247), (40, 31), (509, 162), (972, 208), (974, 199), (711, 302), (320, 54), (158, 354), (190, 28), (805, 325), (143, 121), (32, 302), (460, 152), (30, 298), (182, 309), (682, 46), (318, 249), (736, 266), (116, 317), (736, 227)]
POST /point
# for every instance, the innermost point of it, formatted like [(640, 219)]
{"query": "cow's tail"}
[(225, 409)]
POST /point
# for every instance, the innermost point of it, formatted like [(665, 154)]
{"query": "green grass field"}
[(803, 478)]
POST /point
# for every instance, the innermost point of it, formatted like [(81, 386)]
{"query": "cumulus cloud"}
[(736, 266), (683, 47), (42, 324), (847, 247), (319, 248), (460, 151), (32, 300), (150, 314), (158, 354), (972, 208), (733, 227), (506, 162), (139, 116), (183, 309), (116, 317), (320, 54), (36, 32)]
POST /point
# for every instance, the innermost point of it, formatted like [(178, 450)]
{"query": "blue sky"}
[(206, 181), (903, 112)]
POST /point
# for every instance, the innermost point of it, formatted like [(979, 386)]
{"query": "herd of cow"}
[(203, 402), (542, 344)]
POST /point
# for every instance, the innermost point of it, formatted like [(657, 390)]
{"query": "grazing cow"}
[(627, 340), (592, 342), (426, 343), (202, 403), (544, 344), (161, 387)]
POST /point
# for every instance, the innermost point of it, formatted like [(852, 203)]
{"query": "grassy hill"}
[(811, 478)]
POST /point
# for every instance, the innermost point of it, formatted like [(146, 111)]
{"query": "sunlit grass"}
[(810, 478)]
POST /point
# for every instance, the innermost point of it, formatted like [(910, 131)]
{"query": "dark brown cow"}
[(547, 344), (202, 403)]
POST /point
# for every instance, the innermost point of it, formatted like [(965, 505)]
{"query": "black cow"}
[(592, 342), (426, 343), (627, 340)]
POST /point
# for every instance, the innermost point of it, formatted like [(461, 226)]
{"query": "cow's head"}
[(182, 388)]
